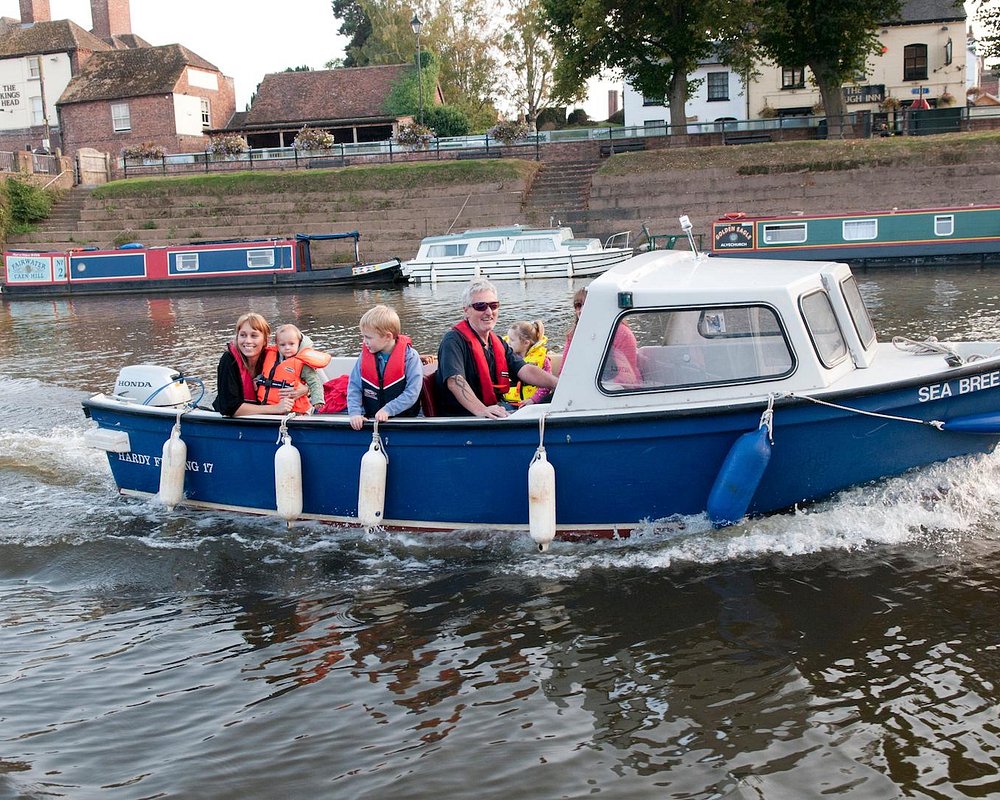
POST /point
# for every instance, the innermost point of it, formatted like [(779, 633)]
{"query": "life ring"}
[(735, 215)]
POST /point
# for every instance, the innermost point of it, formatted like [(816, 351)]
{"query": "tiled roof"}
[(353, 93), (132, 73), (57, 36), (915, 11)]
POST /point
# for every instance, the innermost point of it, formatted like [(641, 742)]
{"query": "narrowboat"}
[(515, 253), (757, 386), (244, 263), (897, 237)]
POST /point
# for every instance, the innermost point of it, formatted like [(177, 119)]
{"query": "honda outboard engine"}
[(152, 385)]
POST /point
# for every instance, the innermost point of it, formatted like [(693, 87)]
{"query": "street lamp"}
[(417, 25)]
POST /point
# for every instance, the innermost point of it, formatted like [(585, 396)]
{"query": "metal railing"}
[(609, 140)]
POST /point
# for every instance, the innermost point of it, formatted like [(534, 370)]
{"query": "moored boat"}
[(896, 237), (515, 252), (757, 386), (132, 268)]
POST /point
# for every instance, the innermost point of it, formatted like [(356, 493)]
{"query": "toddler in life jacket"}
[(529, 341), (387, 377), (293, 362)]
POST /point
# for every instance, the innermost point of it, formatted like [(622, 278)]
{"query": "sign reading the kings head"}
[(864, 94), (10, 95), (732, 236)]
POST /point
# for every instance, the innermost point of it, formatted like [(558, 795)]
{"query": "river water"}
[(849, 649)]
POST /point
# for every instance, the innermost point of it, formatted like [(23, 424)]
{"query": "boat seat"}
[(428, 389)]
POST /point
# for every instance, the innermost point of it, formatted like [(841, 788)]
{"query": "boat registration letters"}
[(154, 461), (973, 383)]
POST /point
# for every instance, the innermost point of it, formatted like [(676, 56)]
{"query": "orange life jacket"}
[(287, 373), (491, 387)]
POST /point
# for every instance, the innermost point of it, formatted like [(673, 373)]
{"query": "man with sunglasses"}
[(475, 366)]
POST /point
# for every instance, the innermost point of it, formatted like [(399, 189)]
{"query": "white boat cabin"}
[(511, 241)]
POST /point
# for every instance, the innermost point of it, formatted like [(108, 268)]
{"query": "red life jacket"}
[(246, 377), (491, 387), (376, 392), (287, 373)]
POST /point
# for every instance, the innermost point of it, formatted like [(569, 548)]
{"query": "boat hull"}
[(613, 471)]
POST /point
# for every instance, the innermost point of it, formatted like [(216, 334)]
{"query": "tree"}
[(833, 39), (529, 58), (354, 24), (988, 14), (654, 44), (470, 68)]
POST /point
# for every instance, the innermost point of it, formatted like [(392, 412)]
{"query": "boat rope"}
[(767, 419), (459, 214), (541, 430), (931, 346), (934, 423), (283, 435), (378, 439)]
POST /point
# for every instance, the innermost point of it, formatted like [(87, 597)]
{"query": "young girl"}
[(528, 340), (292, 363), (239, 365)]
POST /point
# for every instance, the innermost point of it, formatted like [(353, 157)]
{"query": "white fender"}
[(172, 467), (288, 480), (371, 484), (541, 500)]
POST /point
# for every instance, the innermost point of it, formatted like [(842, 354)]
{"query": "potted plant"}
[(889, 103), (767, 112), (946, 99), (228, 145), (507, 131), (313, 139), (414, 135), (144, 153)]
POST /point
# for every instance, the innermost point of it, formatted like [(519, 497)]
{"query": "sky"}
[(245, 40)]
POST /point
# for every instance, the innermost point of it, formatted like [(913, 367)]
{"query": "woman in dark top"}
[(238, 367)]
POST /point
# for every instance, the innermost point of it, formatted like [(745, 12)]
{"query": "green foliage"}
[(447, 120), (577, 117), (509, 132), (618, 118), (405, 96), (414, 135), (26, 204), (228, 144), (554, 115), (988, 15)]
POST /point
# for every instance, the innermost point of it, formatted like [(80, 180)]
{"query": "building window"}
[(718, 86), (34, 67), (37, 114), (206, 113), (793, 77), (121, 119), (915, 62)]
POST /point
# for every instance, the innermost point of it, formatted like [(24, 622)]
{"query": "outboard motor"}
[(151, 384)]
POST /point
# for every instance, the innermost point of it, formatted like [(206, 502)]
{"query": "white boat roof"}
[(511, 230)]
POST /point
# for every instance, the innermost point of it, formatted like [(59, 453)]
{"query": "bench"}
[(624, 146), (479, 152), (427, 390), (325, 163), (750, 137)]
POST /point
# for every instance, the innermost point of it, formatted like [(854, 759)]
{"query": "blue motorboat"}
[(756, 385)]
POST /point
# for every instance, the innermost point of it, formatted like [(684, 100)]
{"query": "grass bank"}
[(815, 156), (376, 177)]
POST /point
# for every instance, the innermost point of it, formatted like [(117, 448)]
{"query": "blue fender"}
[(738, 478)]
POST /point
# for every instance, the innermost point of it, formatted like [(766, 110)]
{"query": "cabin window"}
[(489, 246), (534, 246), (682, 348), (785, 233), (860, 230), (187, 262), (858, 311), (121, 118), (446, 250), (260, 258), (944, 224), (823, 328)]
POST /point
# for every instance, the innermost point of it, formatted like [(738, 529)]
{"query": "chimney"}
[(110, 18), (35, 11)]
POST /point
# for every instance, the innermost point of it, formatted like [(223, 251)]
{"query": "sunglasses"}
[(577, 305), (483, 306)]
